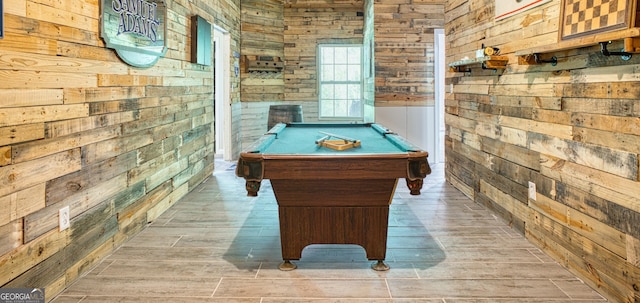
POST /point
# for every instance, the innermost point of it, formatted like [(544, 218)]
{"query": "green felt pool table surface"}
[(300, 139)]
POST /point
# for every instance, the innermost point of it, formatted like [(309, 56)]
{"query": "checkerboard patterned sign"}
[(585, 17)]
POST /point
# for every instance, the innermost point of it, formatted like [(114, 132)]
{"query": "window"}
[(340, 81)]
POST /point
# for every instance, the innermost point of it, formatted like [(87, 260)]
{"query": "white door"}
[(222, 96)]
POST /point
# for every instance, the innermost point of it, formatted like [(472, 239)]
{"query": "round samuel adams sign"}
[(136, 29)]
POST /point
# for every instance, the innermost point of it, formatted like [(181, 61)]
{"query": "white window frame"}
[(360, 82)]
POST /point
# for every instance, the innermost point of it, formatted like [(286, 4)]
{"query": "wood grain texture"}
[(572, 129), (80, 128), (364, 226)]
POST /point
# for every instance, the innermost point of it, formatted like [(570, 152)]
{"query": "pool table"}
[(332, 195)]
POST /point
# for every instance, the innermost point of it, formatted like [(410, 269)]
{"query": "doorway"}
[(222, 96), (439, 61), (423, 125)]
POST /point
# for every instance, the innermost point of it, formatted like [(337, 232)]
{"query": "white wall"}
[(416, 124), (422, 126)]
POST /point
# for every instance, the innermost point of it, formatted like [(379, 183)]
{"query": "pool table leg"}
[(286, 265), (252, 188), (414, 186), (380, 266)]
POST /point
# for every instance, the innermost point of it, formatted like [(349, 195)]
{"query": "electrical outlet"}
[(64, 218), (532, 191)]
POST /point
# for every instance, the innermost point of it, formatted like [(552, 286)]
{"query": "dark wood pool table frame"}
[(332, 199)]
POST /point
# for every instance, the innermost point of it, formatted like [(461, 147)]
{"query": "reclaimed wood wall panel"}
[(289, 31), (80, 128), (572, 129), (262, 39), (402, 35), (30, 97), (404, 51), (262, 36), (306, 26)]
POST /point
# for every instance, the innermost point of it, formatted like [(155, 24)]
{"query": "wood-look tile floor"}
[(218, 245)]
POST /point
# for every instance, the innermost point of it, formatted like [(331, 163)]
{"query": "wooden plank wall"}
[(290, 30), (404, 54), (80, 128), (572, 129), (404, 51), (307, 24), (262, 38)]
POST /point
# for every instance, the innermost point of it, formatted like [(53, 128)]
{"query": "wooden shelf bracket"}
[(265, 64)]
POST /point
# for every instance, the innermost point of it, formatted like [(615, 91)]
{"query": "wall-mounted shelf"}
[(265, 64), (630, 36), (487, 62)]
